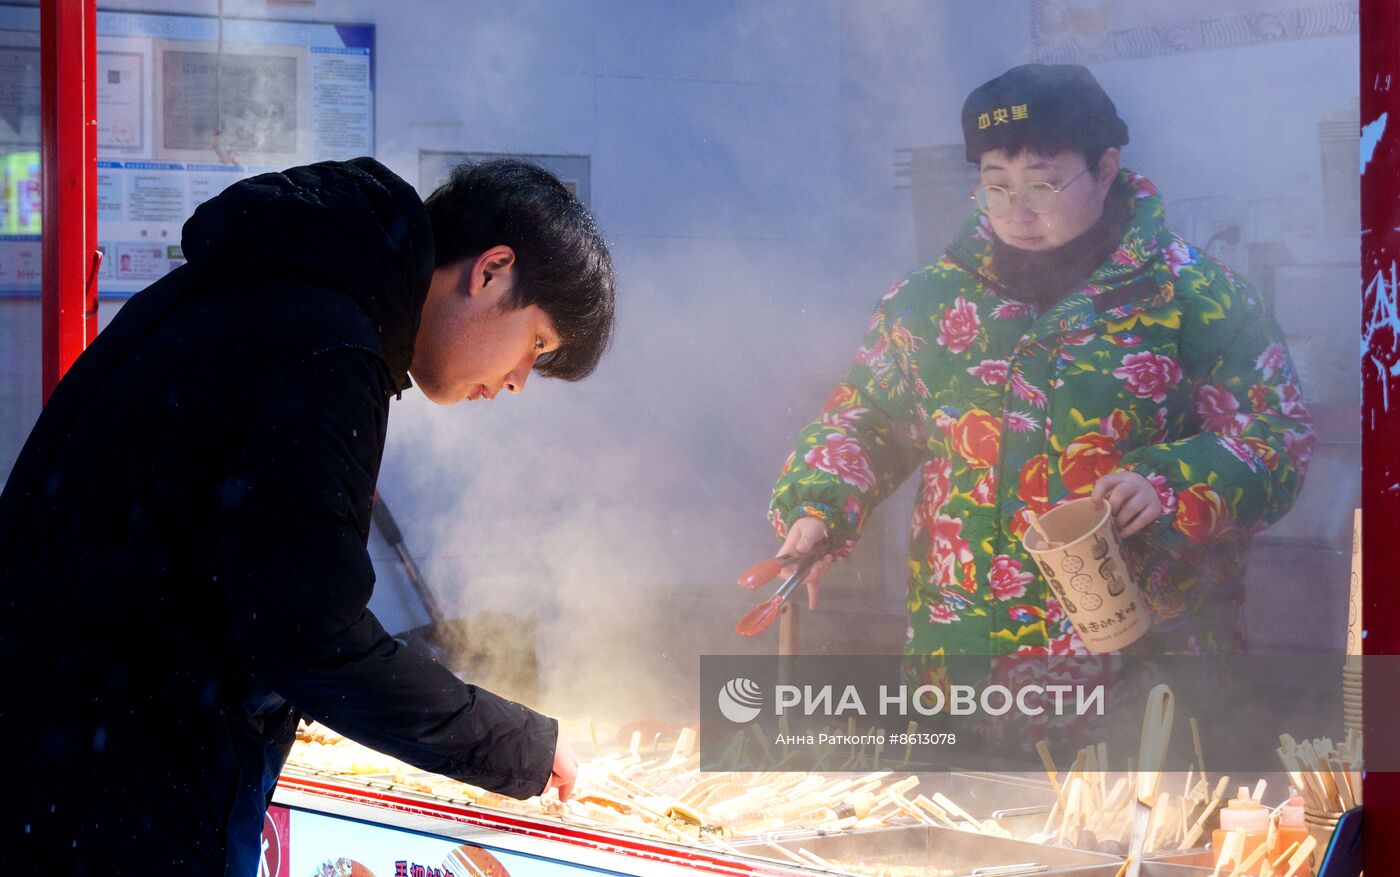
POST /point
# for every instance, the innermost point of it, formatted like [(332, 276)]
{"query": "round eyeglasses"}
[(1039, 197)]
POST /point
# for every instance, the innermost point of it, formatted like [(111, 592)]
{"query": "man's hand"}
[(565, 769), (1134, 500), (804, 535)]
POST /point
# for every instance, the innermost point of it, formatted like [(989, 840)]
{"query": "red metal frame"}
[(1380, 381), (703, 861), (68, 107)]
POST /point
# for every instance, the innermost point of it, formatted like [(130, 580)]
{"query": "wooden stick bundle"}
[(1327, 776)]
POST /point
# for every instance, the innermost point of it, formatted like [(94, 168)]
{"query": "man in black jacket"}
[(183, 569)]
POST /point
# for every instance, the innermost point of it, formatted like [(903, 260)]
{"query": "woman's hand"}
[(1134, 500), (804, 535)]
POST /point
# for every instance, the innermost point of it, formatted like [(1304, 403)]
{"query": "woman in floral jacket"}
[(1066, 345)]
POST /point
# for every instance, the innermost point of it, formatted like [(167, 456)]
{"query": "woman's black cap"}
[(1052, 104)]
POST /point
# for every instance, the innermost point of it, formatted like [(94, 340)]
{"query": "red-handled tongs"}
[(762, 615)]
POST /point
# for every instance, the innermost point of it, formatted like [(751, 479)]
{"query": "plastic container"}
[(1242, 813), (1291, 827)]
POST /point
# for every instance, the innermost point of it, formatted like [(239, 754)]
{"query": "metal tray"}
[(964, 852), (1018, 802), (1150, 868)]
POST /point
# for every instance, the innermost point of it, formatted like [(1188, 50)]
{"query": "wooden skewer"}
[(1039, 531), (1300, 856), (1343, 782), (685, 743), (1220, 787), (1324, 776), (1200, 826), (1045, 758), (1200, 757), (1284, 857), (1311, 784), (903, 785), (1229, 852), (936, 811), (947, 804), (1057, 809), (815, 859), (1073, 811), (1110, 807), (1124, 870), (1266, 868), (1155, 820), (791, 856), (1093, 778), (1251, 860), (909, 809), (1291, 768)]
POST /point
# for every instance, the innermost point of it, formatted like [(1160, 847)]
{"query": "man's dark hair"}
[(562, 263)]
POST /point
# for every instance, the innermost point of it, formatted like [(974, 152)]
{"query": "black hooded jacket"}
[(182, 544)]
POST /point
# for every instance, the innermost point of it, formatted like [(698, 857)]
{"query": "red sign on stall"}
[(276, 843)]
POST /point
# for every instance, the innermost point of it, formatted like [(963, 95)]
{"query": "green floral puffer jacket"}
[(1164, 363)]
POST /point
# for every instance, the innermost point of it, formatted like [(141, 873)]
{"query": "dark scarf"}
[(1043, 278)]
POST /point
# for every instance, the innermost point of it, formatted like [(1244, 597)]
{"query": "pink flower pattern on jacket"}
[(844, 458), (1149, 375), (958, 328), (1007, 579), (1219, 411), (991, 371), (1178, 255), (935, 490), (948, 551), (1271, 361)]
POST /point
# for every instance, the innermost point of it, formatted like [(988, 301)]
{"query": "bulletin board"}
[(280, 93)]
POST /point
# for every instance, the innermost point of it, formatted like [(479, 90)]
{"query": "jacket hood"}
[(355, 226)]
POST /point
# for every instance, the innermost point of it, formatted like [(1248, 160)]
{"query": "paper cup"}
[(1087, 574)]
